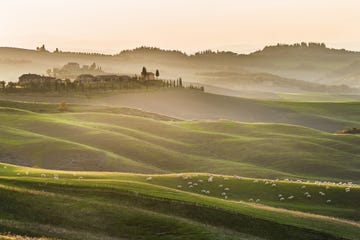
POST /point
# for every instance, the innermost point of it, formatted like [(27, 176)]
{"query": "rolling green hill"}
[(121, 139), (90, 205)]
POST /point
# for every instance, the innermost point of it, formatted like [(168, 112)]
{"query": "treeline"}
[(48, 84)]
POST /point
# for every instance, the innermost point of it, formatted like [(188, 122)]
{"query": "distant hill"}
[(284, 65)]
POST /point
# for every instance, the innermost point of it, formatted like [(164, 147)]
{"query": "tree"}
[(2, 85), (93, 66), (157, 74), (143, 72), (63, 107)]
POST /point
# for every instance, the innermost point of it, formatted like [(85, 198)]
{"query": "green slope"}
[(78, 205), (134, 141)]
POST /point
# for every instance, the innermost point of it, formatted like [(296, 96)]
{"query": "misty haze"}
[(179, 120)]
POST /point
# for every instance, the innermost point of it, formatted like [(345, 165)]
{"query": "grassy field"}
[(186, 179), (188, 105), (128, 140), (99, 205)]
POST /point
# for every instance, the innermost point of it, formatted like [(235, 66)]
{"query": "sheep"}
[(327, 187), (211, 179), (203, 191), (308, 196), (280, 195), (18, 174), (282, 199), (251, 200), (255, 181), (81, 177), (328, 201), (306, 193), (200, 180), (148, 178), (179, 186), (273, 185), (226, 197), (225, 178), (227, 189), (223, 194), (207, 192), (347, 189), (291, 197), (189, 183), (220, 186), (190, 186), (43, 175), (27, 173), (195, 184), (321, 193), (257, 200), (303, 186)]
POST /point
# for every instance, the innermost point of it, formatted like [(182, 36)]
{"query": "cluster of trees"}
[(37, 83)]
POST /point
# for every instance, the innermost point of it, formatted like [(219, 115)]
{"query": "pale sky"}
[(188, 25)]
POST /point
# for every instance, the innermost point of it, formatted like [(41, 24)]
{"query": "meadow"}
[(97, 138), (101, 171), (102, 205)]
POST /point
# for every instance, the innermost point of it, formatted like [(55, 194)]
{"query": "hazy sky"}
[(188, 25)]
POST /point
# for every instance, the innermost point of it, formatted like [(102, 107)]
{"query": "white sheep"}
[(251, 200), (148, 178), (179, 186), (211, 179), (257, 200), (223, 194), (220, 186), (282, 199), (273, 185), (226, 197), (227, 189), (280, 195), (328, 201), (303, 186), (291, 197)]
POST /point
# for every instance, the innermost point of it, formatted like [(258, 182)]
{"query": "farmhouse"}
[(31, 79), (149, 76)]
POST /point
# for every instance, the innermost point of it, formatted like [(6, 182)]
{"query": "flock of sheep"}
[(191, 183)]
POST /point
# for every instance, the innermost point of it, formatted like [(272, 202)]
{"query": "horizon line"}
[(83, 51)]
